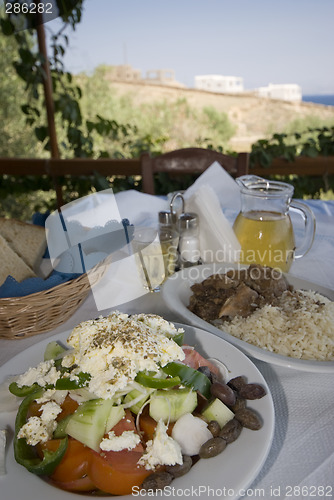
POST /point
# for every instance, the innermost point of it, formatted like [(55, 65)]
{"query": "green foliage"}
[(311, 143), (219, 127), (16, 136)]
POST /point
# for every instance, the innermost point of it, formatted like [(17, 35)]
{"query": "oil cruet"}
[(263, 226)]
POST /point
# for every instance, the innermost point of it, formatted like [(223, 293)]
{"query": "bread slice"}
[(12, 265), (27, 240)]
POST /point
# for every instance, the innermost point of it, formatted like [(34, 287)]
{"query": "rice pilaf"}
[(299, 324)]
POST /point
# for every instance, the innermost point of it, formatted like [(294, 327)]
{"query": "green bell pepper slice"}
[(25, 454), (65, 383), (178, 338), (147, 379), (24, 390), (189, 377), (62, 384)]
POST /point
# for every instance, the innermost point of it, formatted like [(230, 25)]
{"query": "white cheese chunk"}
[(43, 374), (53, 395), (126, 441), (162, 450), (40, 429)]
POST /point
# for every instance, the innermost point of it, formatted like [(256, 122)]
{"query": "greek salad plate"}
[(233, 471), (176, 292)]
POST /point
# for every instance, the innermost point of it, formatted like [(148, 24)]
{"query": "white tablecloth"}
[(301, 461)]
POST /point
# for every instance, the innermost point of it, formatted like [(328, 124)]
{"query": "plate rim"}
[(316, 366), (270, 418)]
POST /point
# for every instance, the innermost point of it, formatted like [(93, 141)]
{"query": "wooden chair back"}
[(189, 161)]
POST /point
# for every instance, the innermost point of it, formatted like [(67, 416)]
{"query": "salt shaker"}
[(189, 250)]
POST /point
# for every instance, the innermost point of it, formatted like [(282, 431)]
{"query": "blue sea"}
[(327, 99)]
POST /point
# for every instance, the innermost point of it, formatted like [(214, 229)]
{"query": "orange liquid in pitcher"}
[(266, 238)]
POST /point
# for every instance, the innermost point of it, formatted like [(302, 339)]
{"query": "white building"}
[(219, 83), (283, 91)]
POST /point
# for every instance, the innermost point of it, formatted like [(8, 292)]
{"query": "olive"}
[(252, 391), (237, 382), (212, 447), (157, 481), (214, 428), (231, 431), (239, 404), (224, 393), (179, 470), (248, 418)]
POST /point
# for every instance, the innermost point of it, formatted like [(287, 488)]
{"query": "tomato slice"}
[(120, 477), (74, 464)]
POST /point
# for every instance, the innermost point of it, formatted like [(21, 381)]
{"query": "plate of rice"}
[(294, 327)]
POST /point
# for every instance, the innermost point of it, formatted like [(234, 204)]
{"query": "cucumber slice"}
[(116, 414), (53, 350), (172, 404), (88, 422), (134, 394), (60, 431), (217, 410)]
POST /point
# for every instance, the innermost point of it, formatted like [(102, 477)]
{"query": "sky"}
[(262, 41)]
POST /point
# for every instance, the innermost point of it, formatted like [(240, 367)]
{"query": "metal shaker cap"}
[(166, 218), (188, 220)]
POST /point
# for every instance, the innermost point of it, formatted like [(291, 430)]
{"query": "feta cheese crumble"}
[(115, 348), (52, 395), (43, 374), (162, 450), (126, 441), (40, 429)]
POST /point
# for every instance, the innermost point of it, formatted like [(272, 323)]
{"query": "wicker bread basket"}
[(22, 317)]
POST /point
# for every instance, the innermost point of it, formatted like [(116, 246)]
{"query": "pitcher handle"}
[(309, 227)]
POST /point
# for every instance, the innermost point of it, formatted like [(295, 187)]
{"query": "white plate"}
[(176, 294), (235, 469)]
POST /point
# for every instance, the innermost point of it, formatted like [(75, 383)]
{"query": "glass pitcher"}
[(263, 226)]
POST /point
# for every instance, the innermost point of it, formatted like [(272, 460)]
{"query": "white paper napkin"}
[(223, 185), (212, 191), (218, 242)]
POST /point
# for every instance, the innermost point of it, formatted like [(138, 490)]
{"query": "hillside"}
[(254, 117)]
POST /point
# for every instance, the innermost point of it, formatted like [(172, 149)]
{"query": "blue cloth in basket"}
[(12, 288)]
